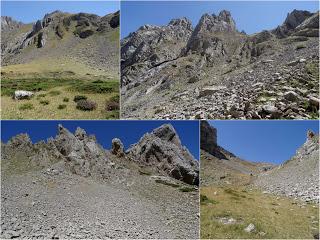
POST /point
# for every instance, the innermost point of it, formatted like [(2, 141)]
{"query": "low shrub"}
[(26, 106), (62, 106), (79, 97), (112, 105), (66, 99), (86, 105), (44, 102)]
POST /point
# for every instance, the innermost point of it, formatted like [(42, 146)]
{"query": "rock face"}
[(216, 72), (7, 23), (208, 142), (151, 46), (162, 151), (299, 176), (208, 138)]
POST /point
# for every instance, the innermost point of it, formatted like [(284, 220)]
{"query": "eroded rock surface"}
[(214, 71)]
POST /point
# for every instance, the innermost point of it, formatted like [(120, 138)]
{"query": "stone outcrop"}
[(117, 147), (161, 150), (151, 46)]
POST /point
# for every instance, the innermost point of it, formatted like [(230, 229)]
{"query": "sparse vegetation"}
[(66, 99)]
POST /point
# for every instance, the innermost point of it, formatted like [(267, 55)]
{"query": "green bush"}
[(44, 102), (66, 99), (62, 106), (79, 97), (86, 105), (26, 106)]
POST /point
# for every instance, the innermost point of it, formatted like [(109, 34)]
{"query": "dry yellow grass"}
[(10, 107), (274, 217)]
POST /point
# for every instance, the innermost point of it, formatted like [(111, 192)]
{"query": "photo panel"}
[(100, 179)]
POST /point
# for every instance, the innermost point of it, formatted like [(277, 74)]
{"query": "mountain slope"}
[(215, 71), (63, 40), (297, 177)]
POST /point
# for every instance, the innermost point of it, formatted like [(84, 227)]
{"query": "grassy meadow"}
[(274, 217)]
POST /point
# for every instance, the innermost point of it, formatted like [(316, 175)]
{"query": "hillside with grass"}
[(56, 59), (246, 200)]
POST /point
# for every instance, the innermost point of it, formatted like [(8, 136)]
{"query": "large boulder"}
[(22, 94), (161, 151)]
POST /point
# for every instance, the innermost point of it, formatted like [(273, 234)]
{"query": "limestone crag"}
[(162, 151)]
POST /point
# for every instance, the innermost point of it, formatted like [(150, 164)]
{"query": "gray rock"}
[(291, 96), (22, 94), (250, 228)]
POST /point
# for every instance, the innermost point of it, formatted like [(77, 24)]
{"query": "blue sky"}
[(30, 11), (250, 16), (128, 131), (263, 141)]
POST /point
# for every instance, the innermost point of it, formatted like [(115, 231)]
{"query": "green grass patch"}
[(205, 200), (97, 87), (112, 114), (54, 93), (26, 106)]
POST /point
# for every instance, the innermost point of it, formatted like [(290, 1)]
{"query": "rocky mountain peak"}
[(183, 22), (212, 23), (22, 139), (7, 23), (168, 133), (296, 17)]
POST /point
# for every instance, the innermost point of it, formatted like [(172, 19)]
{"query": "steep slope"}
[(77, 40), (70, 187), (297, 177), (215, 71)]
